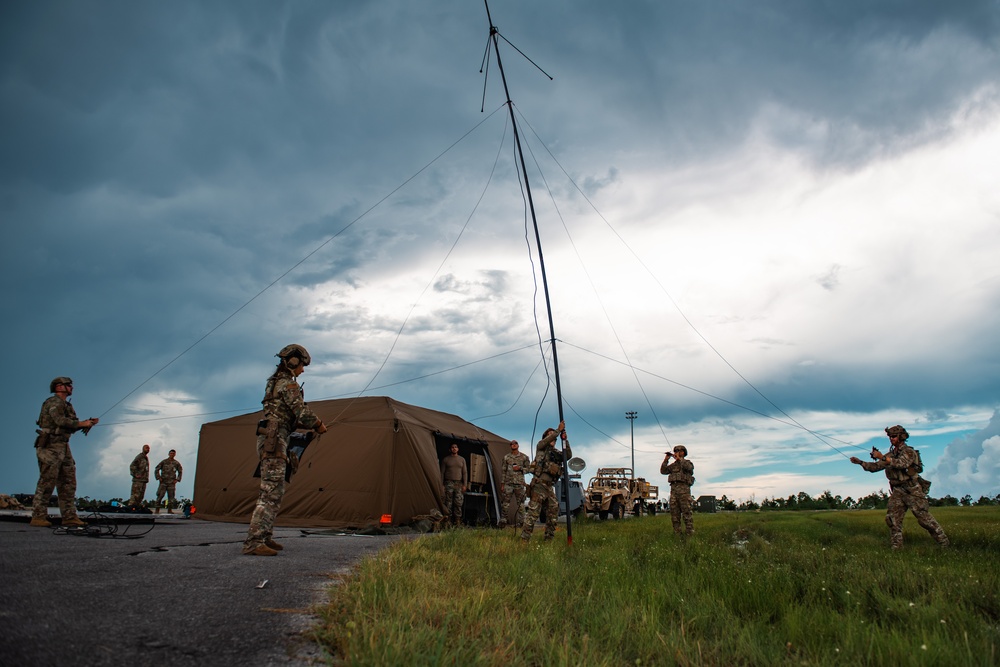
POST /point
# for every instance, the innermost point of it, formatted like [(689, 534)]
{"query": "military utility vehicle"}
[(615, 491)]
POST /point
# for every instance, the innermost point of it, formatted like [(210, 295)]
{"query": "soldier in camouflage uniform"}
[(285, 410), (56, 467), (168, 472), (512, 484), (139, 469), (547, 468), (680, 475), (455, 477), (907, 489)]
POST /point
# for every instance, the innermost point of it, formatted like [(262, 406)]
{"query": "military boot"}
[(156, 511), (169, 511), (40, 521), (75, 521), (259, 550), (271, 544)]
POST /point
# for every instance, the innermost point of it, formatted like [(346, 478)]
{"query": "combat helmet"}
[(897, 431), (59, 380), (295, 350)]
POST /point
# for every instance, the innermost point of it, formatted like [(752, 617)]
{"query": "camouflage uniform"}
[(56, 466), (284, 404), (454, 496), (168, 472), (512, 486), (906, 492), (542, 490), (680, 475), (139, 470)]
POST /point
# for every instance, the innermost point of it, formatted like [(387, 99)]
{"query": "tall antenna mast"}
[(493, 39)]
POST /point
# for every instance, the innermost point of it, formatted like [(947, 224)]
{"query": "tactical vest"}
[(273, 427), (551, 463), (908, 476), (681, 477)]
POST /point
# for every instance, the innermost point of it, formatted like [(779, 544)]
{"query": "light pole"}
[(630, 416)]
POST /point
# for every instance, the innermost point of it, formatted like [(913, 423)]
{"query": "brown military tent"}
[(380, 457)]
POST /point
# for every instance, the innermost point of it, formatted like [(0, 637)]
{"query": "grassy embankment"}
[(771, 588)]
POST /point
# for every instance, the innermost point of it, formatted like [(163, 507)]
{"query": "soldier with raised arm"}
[(546, 468), (285, 410), (680, 476), (907, 490), (56, 466)]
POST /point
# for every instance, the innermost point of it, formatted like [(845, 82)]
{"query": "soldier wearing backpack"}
[(908, 490)]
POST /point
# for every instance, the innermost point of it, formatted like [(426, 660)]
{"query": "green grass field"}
[(768, 588)]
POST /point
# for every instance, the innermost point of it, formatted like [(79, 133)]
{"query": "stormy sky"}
[(768, 228)]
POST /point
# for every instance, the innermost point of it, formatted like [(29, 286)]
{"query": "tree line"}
[(828, 501)]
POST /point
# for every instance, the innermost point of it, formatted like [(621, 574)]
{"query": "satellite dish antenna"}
[(576, 464)]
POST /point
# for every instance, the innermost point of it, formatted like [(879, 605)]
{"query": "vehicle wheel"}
[(637, 509), (603, 514), (652, 509), (617, 509)]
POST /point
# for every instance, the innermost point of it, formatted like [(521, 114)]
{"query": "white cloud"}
[(971, 464), (150, 418)]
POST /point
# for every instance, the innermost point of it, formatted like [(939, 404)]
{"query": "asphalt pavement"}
[(179, 594)]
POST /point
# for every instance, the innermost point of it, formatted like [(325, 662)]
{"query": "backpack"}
[(918, 467)]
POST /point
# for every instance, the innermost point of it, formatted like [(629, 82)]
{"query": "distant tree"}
[(726, 505), (966, 500), (946, 501), (879, 500), (984, 500), (748, 505), (86, 504), (791, 502), (828, 500)]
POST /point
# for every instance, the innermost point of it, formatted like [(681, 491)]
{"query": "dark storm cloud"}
[(856, 75)]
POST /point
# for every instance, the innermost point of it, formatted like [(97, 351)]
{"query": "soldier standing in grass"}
[(547, 468), (455, 477), (56, 466), (284, 411), (907, 490), (168, 472), (512, 484), (680, 475), (139, 470)]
